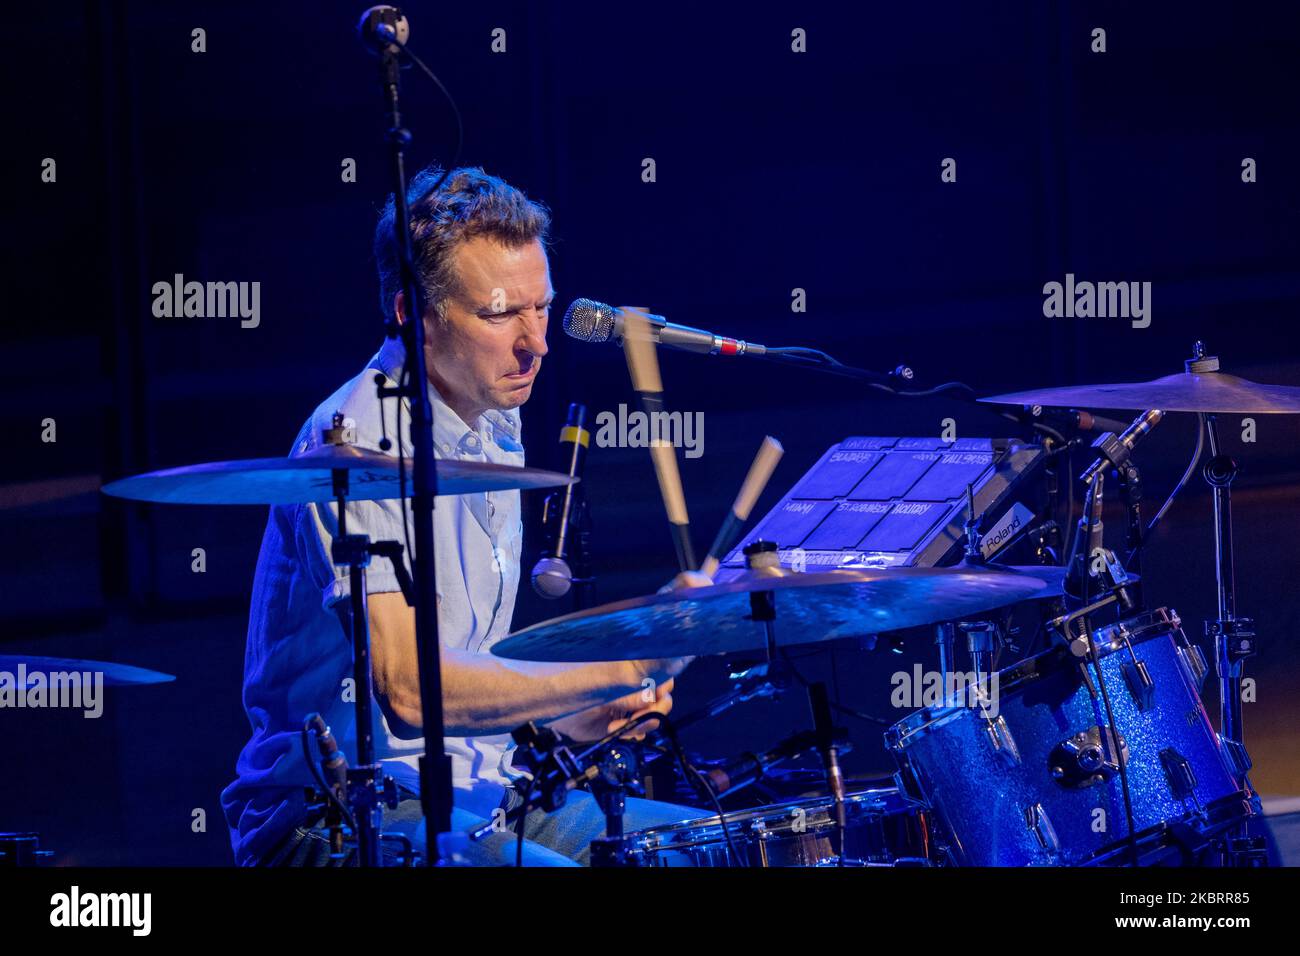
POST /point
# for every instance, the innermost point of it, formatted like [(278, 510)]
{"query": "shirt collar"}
[(451, 434)]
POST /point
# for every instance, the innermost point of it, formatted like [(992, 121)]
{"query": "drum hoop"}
[(744, 819), (1226, 811)]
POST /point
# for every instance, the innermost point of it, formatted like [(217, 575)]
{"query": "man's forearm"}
[(489, 695), (481, 694), (484, 695)]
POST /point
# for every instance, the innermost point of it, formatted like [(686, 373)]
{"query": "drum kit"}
[(1097, 751)]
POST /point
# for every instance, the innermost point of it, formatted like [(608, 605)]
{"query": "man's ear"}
[(399, 307)]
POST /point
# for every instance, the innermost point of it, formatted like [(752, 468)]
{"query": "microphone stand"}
[(1130, 490), (435, 765)]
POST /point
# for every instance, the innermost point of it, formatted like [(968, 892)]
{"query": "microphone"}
[(591, 321), (749, 768), (333, 762), (383, 26), (1115, 451), (1088, 537), (824, 734), (1075, 419), (552, 575)]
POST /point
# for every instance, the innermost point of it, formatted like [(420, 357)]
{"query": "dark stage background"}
[(775, 171)]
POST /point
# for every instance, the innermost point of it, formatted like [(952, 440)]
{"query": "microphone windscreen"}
[(589, 321), (552, 578)]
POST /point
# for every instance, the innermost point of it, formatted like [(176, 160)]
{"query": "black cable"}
[(1182, 483), (460, 125), (849, 711), (814, 358), (403, 377), (936, 390), (702, 784), (1116, 740), (521, 822), (1069, 492), (1095, 494)]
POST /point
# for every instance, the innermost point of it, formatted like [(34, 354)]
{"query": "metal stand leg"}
[(944, 639), (353, 552), (1234, 637)]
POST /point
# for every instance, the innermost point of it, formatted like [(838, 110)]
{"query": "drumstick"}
[(769, 453), (643, 366)]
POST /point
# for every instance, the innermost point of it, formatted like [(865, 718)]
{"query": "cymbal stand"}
[(1233, 636), (368, 788), (763, 557)]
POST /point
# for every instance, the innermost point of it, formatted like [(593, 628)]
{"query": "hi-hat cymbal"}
[(73, 670), (809, 608), (372, 476), (1211, 392)]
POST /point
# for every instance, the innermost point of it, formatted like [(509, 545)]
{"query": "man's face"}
[(488, 350)]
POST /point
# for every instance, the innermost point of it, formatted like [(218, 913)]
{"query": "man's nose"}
[(534, 338)]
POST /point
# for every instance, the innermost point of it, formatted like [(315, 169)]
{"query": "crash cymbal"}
[(1210, 392), (115, 675), (809, 608), (309, 477)]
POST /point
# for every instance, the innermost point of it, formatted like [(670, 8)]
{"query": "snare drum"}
[(1034, 779), (882, 828)]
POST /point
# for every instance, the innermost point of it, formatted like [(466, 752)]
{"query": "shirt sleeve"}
[(316, 527)]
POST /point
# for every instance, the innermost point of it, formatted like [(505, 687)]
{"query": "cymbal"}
[(115, 675), (1209, 392), (810, 608), (372, 476)]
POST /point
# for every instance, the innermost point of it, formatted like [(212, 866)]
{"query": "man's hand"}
[(685, 580), (596, 722)]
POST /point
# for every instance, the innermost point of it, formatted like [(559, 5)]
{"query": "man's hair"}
[(470, 203)]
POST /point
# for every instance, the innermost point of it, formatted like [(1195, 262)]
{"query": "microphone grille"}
[(589, 321)]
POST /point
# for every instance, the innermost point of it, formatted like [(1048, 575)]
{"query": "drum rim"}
[(741, 817)]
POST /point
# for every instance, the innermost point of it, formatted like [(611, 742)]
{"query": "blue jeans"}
[(562, 838)]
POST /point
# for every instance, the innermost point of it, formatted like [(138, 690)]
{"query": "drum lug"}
[(1004, 745), (1038, 823), (1179, 773), (1193, 658), (1140, 684), (1235, 752), (909, 786)]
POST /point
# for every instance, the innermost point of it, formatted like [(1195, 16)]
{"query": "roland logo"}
[(1007, 527)]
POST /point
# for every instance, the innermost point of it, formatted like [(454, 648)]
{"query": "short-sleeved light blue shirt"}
[(299, 655)]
